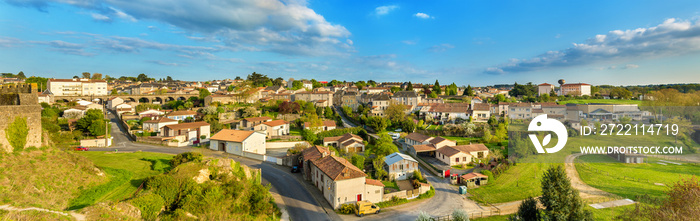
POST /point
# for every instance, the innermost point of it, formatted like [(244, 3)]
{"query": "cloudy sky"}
[(473, 42)]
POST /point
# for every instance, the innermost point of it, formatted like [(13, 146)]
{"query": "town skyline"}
[(415, 42)]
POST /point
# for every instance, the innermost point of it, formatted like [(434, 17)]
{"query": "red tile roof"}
[(231, 135), (192, 125), (373, 182), (315, 152), (275, 123), (418, 137), (338, 168)]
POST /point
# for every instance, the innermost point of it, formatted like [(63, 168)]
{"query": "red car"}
[(81, 149)]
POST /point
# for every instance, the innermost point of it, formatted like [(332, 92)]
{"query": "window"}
[(457, 160)]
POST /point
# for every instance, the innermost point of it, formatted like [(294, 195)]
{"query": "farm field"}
[(598, 214), (601, 101), (631, 180), (131, 162)]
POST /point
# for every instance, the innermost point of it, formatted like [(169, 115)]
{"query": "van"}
[(365, 207)]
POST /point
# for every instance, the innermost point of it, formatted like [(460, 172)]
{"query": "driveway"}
[(299, 203)]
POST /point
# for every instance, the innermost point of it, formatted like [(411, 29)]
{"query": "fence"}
[(471, 215), (427, 166)]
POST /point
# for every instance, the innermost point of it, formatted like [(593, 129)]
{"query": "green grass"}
[(523, 180), (90, 196), (601, 101), (295, 132), (434, 127), (459, 167), (631, 180), (132, 162), (390, 184), (598, 214)]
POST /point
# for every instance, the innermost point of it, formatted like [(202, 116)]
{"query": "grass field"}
[(601, 101), (630, 180), (523, 180), (598, 214), (295, 132), (390, 184), (132, 162)]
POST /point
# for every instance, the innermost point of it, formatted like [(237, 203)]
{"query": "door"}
[(222, 146), (359, 197)]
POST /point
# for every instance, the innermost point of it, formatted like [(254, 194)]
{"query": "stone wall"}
[(22, 102)]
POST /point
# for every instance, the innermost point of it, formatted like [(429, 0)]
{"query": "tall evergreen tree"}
[(560, 200), (436, 87), (469, 91), (409, 87), (20, 75)]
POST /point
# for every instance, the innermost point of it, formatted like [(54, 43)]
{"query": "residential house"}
[(155, 125), (520, 111), (238, 142), (340, 182), (193, 131), (320, 98), (350, 99), (462, 154), (113, 102), (181, 115), (481, 112), (75, 112), (150, 113), (578, 89), (400, 166), (45, 97), (273, 128), (445, 111), (350, 143), (544, 88), (312, 153), (327, 125), (77, 87), (123, 108), (250, 122), (410, 98)]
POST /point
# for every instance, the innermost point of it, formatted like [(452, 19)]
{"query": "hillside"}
[(45, 178)]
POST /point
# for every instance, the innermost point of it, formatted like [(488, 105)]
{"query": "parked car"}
[(295, 169), (81, 148), (366, 207)]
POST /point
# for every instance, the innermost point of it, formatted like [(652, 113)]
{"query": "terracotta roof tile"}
[(418, 137), (192, 125), (315, 152), (231, 135), (449, 151), (423, 147), (338, 168), (472, 147), (373, 182), (275, 123)]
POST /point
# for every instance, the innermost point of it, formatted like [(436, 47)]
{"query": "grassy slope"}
[(47, 178), (610, 178), (603, 101), (132, 162), (598, 214)]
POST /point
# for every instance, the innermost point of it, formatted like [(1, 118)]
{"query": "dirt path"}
[(584, 189), (76, 216)]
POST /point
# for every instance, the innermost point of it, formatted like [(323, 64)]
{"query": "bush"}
[(489, 174), (16, 133), (167, 187), (159, 165), (460, 215), (347, 208), (423, 216), (417, 175), (150, 205), (185, 157)]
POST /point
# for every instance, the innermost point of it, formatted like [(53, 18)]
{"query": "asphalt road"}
[(298, 201)]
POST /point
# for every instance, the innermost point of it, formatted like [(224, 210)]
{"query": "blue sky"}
[(467, 42)]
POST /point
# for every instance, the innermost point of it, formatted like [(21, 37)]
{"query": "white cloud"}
[(670, 38), (422, 15), (631, 66), (408, 42), (100, 17), (283, 26), (441, 47), (383, 10)]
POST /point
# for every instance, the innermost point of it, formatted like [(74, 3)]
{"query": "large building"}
[(77, 87), (20, 102), (578, 89), (544, 88)]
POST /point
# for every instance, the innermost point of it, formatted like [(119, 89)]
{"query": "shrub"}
[(150, 205), (460, 215), (347, 208), (16, 133), (167, 187), (159, 165), (423, 216), (417, 175), (489, 174), (185, 157)]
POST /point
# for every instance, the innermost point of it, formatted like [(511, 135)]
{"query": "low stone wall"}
[(254, 156), (388, 196), (287, 137), (281, 145), (95, 142)]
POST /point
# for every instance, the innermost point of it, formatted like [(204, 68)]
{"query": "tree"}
[(328, 113), (487, 135), (97, 127), (185, 157), (395, 111), (681, 204), (469, 91), (278, 81), (114, 92), (385, 145), (560, 200), (203, 93), (527, 210), (409, 87), (433, 95), (436, 87), (16, 133), (358, 161), (377, 123), (168, 78), (143, 78), (287, 107), (96, 76), (378, 164), (21, 75), (86, 75), (248, 112), (394, 89), (188, 105), (527, 90), (92, 123)]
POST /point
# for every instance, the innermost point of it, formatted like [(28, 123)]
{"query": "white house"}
[(238, 142), (181, 115), (340, 182), (150, 113), (400, 166), (113, 102), (123, 107), (273, 128), (349, 143), (544, 88), (193, 131), (156, 124)]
